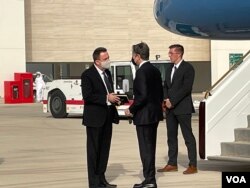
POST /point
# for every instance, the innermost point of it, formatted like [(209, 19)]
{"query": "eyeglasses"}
[(171, 53)]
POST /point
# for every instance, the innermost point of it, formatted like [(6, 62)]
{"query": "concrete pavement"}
[(38, 151)]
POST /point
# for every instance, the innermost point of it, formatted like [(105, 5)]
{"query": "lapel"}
[(98, 77), (177, 71)]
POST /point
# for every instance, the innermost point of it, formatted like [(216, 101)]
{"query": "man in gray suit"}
[(179, 108), (146, 111)]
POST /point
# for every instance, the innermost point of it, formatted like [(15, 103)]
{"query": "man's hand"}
[(168, 104), (113, 98), (127, 113)]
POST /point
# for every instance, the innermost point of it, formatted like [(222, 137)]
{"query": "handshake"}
[(118, 99), (123, 99)]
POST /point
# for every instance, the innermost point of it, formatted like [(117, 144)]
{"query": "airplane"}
[(224, 113), (207, 19)]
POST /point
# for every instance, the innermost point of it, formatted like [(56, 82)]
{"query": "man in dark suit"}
[(98, 116), (179, 108), (146, 111)]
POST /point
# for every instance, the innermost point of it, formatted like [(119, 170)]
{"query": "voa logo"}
[(236, 179)]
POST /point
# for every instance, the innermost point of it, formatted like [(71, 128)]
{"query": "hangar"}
[(57, 37)]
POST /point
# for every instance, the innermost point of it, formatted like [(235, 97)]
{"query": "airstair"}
[(239, 149), (224, 116)]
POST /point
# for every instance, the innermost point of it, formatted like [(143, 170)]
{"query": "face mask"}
[(133, 61), (105, 64)]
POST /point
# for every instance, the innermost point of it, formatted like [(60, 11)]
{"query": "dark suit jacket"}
[(180, 90), (95, 98), (148, 95)]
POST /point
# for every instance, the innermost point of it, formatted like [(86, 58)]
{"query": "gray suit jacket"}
[(180, 90)]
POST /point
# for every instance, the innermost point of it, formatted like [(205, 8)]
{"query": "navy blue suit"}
[(147, 112), (98, 118)]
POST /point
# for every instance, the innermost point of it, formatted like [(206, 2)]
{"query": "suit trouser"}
[(184, 120), (98, 147), (147, 135)]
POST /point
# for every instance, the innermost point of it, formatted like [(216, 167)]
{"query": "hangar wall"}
[(69, 31), (12, 40)]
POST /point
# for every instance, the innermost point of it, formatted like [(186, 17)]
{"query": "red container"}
[(26, 86), (12, 92)]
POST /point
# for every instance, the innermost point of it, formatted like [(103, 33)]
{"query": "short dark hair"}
[(142, 49), (179, 48), (97, 52)]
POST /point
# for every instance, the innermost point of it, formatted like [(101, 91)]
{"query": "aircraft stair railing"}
[(208, 92), (202, 107)]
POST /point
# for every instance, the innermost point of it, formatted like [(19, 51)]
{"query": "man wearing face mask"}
[(146, 111), (98, 116)]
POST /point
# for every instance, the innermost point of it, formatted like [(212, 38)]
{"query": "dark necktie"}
[(107, 82), (175, 68)]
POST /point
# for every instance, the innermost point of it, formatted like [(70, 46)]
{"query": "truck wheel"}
[(58, 105)]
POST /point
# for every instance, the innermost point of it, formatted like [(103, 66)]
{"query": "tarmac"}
[(39, 151)]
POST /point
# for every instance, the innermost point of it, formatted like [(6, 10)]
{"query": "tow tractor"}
[(63, 97)]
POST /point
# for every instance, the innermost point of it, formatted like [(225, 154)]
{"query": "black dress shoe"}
[(105, 184), (138, 185), (150, 185), (145, 185)]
